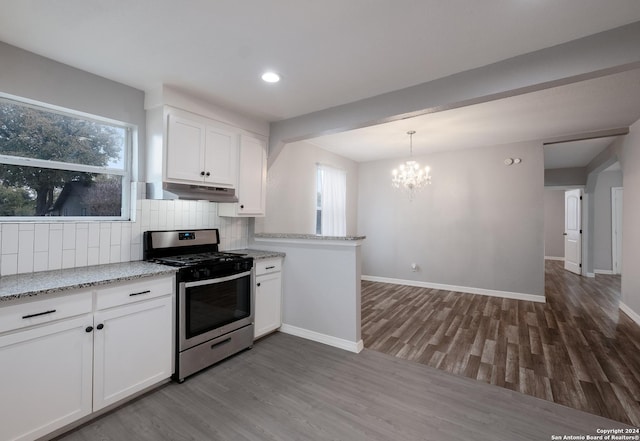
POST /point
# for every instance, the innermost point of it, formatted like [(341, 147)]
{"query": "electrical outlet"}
[(414, 267)]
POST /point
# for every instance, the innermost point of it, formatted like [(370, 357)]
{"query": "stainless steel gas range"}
[(215, 299)]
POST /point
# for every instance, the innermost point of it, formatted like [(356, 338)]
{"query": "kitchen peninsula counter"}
[(258, 254)]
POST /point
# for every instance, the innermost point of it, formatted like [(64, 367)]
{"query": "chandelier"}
[(409, 176)]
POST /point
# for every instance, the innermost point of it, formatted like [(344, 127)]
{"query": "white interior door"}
[(572, 231), (616, 229)]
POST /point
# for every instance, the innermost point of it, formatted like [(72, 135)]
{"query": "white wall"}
[(631, 219), (480, 224), (25, 74), (321, 289), (553, 223), (602, 259), (291, 190)]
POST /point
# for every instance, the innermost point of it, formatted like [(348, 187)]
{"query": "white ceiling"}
[(598, 104), (329, 52), (574, 153)]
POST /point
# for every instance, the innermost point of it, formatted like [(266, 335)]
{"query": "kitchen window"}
[(331, 214), (62, 164)]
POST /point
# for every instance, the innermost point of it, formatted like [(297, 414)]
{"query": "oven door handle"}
[(217, 280)]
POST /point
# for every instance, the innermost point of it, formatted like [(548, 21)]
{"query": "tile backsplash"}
[(39, 246)]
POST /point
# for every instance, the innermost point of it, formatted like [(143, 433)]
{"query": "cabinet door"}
[(268, 304), (45, 379), (252, 177), (132, 349), (221, 157), (185, 150)]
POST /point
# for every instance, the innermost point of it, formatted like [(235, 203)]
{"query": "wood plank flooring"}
[(287, 388), (577, 350)]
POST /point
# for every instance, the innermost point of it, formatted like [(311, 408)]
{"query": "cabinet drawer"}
[(130, 292), (42, 311), (268, 266)]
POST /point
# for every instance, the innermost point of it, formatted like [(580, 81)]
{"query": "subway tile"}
[(40, 261), (105, 243), (136, 252), (114, 256), (154, 219), (68, 258), (69, 236), (25, 250), (145, 219), (9, 264), (136, 233), (116, 233), (94, 235), (10, 239), (82, 246), (179, 223), (25, 241), (125, 252), (125, 237), (55, 247), (41, 238), (25, 263), (93, 256)]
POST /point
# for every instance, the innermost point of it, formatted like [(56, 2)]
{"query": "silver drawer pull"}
[(140, 293), (269, 267), (38, 314)]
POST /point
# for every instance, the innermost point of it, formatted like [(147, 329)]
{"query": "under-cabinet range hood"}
[(168, 190)]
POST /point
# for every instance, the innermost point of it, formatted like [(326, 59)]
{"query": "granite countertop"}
[(305, 236), (258, 254), (49, 282)]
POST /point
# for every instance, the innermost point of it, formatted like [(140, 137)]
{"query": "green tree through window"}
[(57, 164)]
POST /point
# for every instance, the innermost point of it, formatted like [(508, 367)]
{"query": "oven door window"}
[(214, 305)]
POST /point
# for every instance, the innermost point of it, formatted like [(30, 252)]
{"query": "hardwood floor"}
[(287, 388), (578, 349)]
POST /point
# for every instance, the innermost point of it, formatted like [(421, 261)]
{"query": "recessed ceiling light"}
[(270, 77)]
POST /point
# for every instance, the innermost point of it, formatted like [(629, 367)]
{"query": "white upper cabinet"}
[(185, 149), (221, 156), (200, 151), (252, 180)]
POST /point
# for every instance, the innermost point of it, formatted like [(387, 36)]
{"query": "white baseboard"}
[(336, 342), (630, 312), (591, 274), (609, 272), (554, 258), (465, 289)]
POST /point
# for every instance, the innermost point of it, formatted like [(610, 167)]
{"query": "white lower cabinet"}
[(45, 378), (64, 358), (268, 296), (132, 349)]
